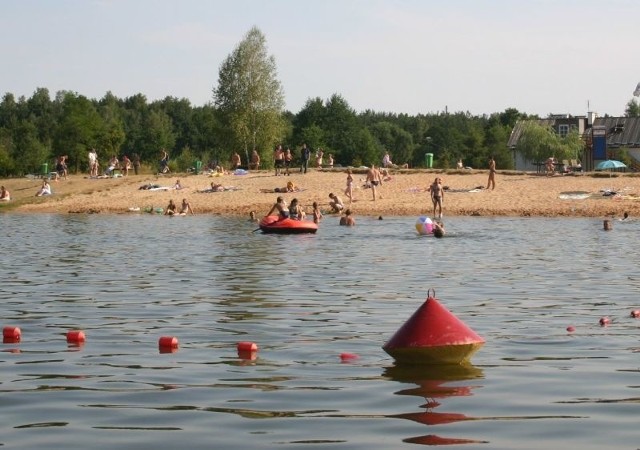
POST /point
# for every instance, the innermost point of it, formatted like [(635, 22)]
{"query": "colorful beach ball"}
[(424, 225)]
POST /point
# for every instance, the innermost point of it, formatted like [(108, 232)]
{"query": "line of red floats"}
[(166, 344)]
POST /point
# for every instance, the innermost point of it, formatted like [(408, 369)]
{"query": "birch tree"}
[(249, 97)]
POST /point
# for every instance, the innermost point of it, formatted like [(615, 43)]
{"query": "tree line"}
[(246, 113), (35, 130)]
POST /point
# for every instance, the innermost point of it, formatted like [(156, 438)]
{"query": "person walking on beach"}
[(374, 179), (437, 195), (492, 174)]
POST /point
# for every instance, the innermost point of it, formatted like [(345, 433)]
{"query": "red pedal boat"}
[(274, 224)]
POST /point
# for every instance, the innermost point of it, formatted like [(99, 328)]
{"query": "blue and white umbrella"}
[(610, 164)]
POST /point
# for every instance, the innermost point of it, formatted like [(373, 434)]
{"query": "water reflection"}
[(435, 383)]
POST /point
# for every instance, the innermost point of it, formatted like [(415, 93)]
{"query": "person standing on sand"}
[(374, 178), (93, 163), (349, 190), (492, 174), (437, 195), (136, 163), (305, 154)]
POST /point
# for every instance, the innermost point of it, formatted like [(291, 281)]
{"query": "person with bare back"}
[(374, 179)]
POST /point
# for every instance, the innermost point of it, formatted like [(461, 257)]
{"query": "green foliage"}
[(633, 109), (249, 97), (537, 143), (185, 161)]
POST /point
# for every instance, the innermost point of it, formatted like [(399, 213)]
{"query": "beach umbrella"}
[(610, 164)]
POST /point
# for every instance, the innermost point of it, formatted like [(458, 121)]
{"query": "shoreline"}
[(517, 194)]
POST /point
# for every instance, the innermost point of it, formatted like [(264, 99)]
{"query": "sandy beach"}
[(517, 194)]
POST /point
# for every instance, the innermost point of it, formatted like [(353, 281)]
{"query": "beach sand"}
[(517, 194)]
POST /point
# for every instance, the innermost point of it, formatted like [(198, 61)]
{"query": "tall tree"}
[(79, 127), (249, 97)]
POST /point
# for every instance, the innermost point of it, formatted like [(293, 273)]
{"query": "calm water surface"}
[(211, 282)]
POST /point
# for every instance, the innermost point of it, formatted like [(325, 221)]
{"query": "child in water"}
[(317, 215)]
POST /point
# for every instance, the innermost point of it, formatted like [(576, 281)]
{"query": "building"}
[(604, 138)]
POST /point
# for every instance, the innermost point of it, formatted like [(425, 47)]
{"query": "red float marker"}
[(635, 313), (604, 321), (345, 357), (571, 328), (247, 350), (76, 337), (168, 344), (11, 335), (247, 346), (433, 335)]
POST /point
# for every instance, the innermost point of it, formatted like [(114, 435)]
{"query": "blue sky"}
[(403, 56)]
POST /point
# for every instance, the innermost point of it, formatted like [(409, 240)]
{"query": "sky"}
[(397, 56)]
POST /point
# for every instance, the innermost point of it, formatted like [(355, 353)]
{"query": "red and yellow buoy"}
[(433, 335)]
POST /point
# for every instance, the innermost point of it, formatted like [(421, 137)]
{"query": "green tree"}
[(394, 139), (249, 96), (633, 109), (537, 143), (113, 135), (79, 128)]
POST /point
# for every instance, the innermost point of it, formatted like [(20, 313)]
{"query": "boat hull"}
[(275, 225)]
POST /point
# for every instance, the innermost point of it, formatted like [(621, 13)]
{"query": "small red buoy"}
[(635, 313), (12, 333), (604, 321), (433, 335), (75, 337), (348, 356), (168, 344), (247, 350), (247, 346), (571, 328)]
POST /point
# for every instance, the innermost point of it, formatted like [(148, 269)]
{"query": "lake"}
[(305, 300)]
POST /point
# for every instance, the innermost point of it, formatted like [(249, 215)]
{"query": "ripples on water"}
[(210, 281)]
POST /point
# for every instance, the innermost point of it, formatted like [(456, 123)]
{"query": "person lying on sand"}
[(290, 187)]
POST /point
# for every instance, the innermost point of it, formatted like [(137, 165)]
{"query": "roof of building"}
[(621, 131)]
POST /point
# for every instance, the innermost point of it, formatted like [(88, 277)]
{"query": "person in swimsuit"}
[(347, 220), (295, 210), (171, 209), (492, 174), (336, 203), (437, 195), (45, 189), (186, 207), (5, 196), (280, 207), (349, 190), (438, 229), (374, 178), (317, 215)]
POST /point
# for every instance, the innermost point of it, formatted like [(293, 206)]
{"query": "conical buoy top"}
[(433, 335)]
